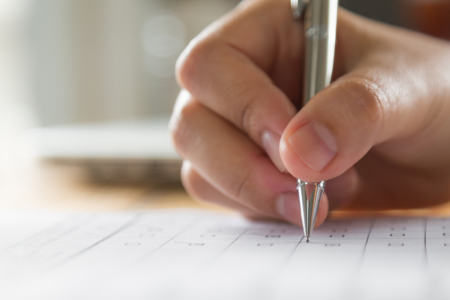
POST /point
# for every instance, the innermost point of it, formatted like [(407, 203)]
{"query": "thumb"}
[(335, 130), (389, 94)]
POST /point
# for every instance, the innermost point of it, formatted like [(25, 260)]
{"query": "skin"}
[(380, 133)]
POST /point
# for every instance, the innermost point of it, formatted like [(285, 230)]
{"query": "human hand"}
[(380, 133)]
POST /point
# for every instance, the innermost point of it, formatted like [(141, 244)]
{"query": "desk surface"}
[(47, 185), (38, 185)]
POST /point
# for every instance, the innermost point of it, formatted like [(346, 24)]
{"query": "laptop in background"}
[(126, 151)]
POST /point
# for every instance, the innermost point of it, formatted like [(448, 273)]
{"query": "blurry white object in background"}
[(15, 96), (137, 150), (163, 38), (126, 140), (102, 60)]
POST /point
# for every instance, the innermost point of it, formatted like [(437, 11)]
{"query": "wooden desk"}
[(44, 185), (38, 185)]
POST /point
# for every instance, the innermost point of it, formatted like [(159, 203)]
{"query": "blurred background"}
[(91, 82)]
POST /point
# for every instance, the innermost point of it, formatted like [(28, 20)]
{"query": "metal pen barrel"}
[(320, 18), (320, 38)]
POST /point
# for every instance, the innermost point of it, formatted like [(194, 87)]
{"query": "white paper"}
[(188, 254)]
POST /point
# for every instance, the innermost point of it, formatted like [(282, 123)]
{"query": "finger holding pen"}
[(378, 134), (385, 115), (254, 92)]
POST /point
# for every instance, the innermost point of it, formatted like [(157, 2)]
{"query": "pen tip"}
[(307, 239)]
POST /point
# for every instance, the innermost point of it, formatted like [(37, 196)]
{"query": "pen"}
[(319, 19)]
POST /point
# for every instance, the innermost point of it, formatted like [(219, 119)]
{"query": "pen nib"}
[(309, 194)]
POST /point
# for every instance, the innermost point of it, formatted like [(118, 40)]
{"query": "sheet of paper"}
[(188, 254)]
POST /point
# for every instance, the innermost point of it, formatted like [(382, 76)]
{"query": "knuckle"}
[(180, 124), (240, 183), (366, 103), (190, 61), (245, 114), (242, 187), (248, 191), (193, 182)]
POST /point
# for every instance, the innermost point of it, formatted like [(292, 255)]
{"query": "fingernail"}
[(315, 145), (288, 207), (271, 143)]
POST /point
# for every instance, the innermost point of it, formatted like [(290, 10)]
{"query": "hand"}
[(380, 133)]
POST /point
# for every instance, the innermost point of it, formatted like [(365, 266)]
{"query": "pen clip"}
[(298, 8)]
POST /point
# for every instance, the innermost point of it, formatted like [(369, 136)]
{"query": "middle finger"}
[(230, 161)]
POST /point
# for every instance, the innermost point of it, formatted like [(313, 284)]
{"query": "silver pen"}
[(319, 19)]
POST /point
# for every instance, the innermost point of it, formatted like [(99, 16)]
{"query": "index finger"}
[(240, 69)]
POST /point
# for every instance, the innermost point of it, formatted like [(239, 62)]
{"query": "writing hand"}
[(379, 134)]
